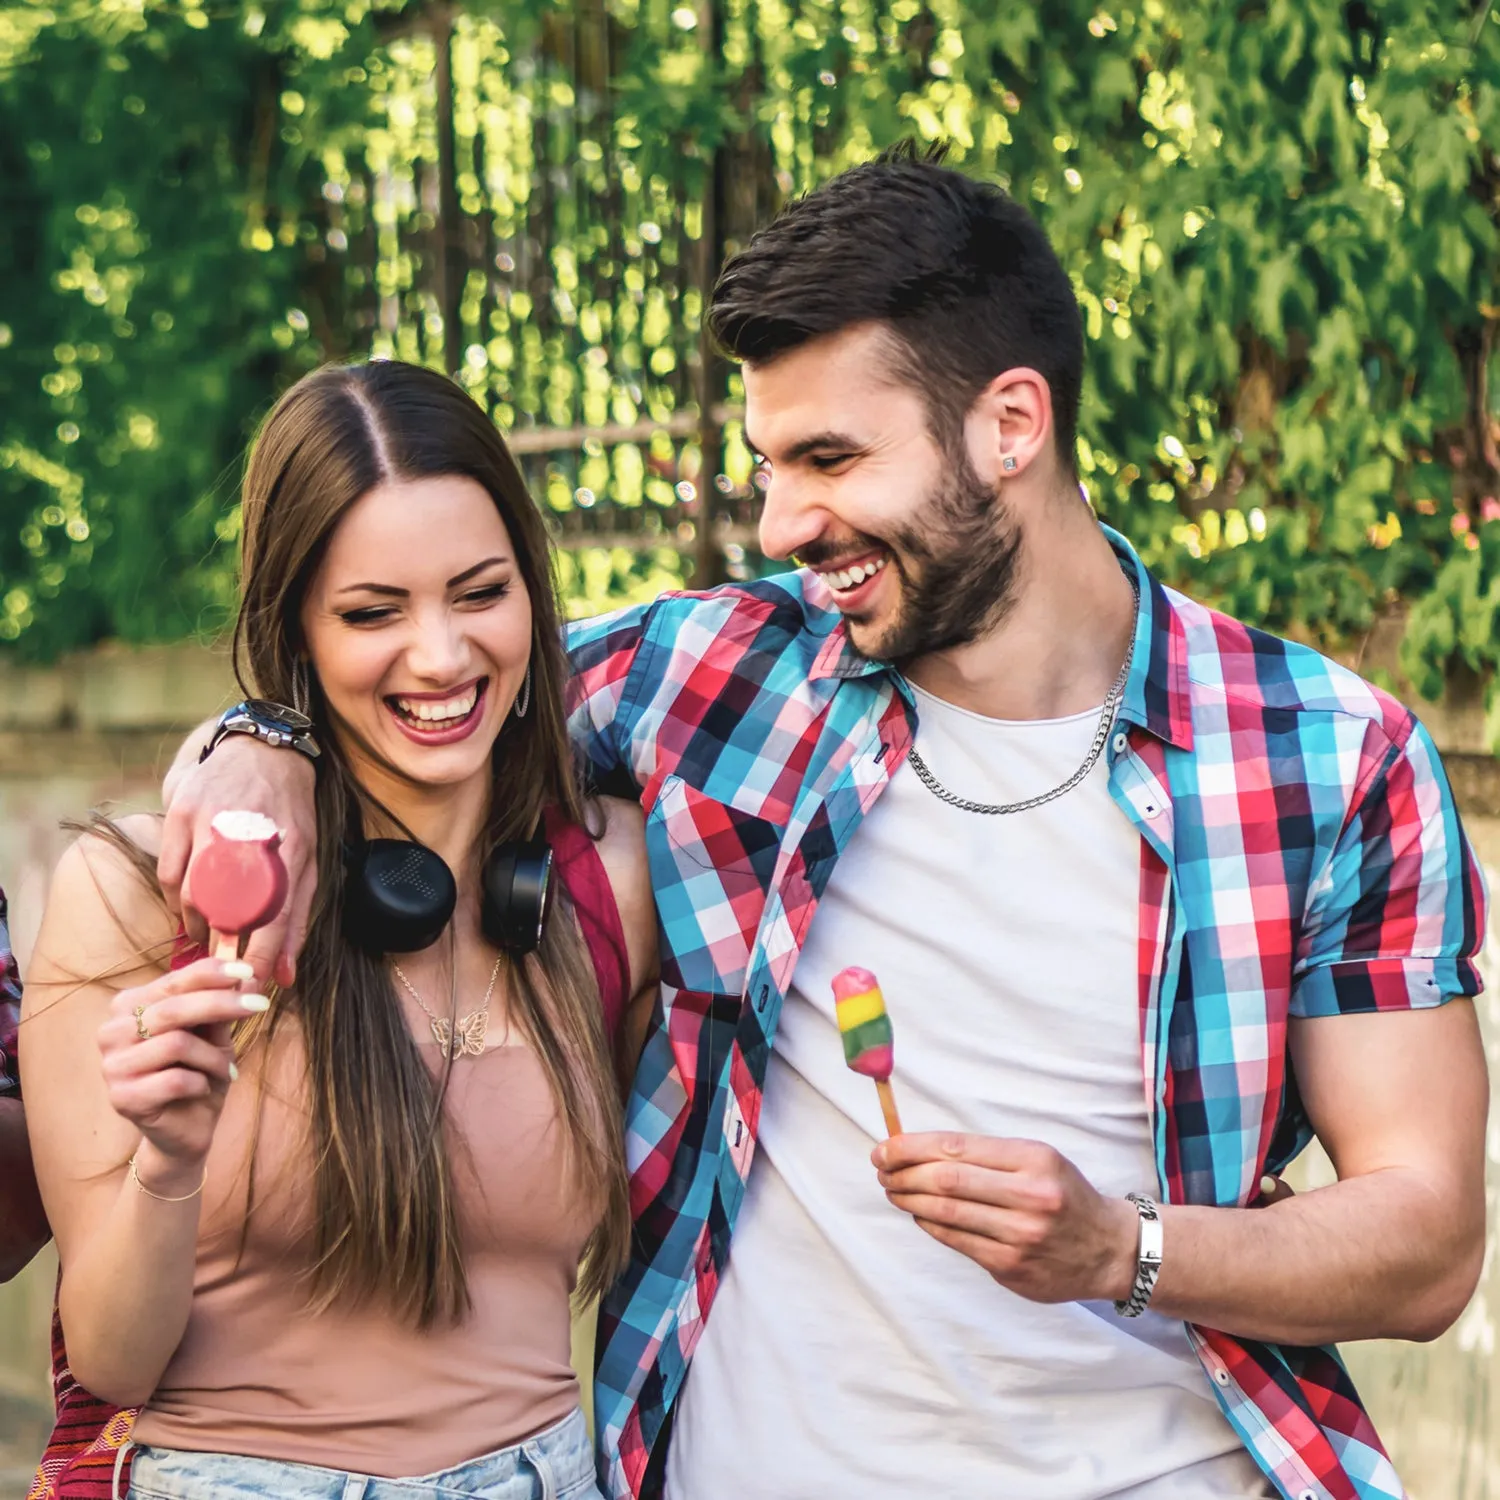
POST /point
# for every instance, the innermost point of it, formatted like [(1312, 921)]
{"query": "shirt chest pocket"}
[(711, 867)]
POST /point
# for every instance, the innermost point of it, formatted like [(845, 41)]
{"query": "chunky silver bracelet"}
[(1147, 1259)]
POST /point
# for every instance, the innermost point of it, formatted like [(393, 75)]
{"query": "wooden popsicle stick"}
[(888, 1106), (226, 946)]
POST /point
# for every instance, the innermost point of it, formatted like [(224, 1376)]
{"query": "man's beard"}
[(958, 568)]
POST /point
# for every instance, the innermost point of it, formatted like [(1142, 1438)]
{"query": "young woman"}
[(326, 1238)]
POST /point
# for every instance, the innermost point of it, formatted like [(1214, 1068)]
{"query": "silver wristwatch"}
[(272, 724), (1147, 1259)]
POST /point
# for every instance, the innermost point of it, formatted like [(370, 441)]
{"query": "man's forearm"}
[(23, 1224), (1379, 1256)]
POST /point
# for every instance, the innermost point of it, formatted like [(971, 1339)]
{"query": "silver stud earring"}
[(523, 698), (301, 692), (1008, 464)]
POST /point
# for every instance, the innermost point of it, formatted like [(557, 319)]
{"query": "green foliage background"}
[(1280, 215)]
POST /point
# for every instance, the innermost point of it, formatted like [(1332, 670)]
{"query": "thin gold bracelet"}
[(135, 1177)]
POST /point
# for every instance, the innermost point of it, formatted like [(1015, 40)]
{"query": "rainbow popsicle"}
[(869, 1046)]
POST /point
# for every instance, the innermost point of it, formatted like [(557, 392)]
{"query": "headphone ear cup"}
[(398, 896), (517, 884)]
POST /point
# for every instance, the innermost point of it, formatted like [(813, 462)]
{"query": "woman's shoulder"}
[(104, 903)]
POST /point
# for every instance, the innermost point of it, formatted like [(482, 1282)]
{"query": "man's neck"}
[(1061, 644)]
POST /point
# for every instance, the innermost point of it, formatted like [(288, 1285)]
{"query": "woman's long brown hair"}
[(387, 1225)]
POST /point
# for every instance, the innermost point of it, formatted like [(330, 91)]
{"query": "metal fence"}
[(490, 208)]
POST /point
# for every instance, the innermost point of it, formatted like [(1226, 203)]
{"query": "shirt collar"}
[(1157, 694)]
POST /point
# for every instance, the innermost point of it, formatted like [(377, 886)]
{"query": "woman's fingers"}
[(173, 1049), (203, 974), (204, 1010), (144, 1100)]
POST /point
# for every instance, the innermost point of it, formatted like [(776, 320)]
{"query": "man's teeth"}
[(443, 712), (846, 578)]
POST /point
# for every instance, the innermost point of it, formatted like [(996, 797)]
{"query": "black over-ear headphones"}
[(399, 895)]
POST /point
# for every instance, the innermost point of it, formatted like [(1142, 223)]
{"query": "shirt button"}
[(1120, 742), (1308, 1495), (1222, 1376), (1151, 809)]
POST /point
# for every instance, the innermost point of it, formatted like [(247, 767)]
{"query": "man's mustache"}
[(819, 553)]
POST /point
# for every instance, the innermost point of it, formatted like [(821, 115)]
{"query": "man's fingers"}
[(963, 1180), (263, 948), (171, 862), (1021, 1230), (1000, 1260), (299, 915), (995, 1153)]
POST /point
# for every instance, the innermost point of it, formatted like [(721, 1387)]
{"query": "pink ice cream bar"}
[(238, 880)]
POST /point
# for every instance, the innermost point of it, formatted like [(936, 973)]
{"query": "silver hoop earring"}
[(523, 698), (301, 691)]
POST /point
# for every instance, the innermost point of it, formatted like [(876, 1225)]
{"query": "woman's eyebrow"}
[(393, 592)]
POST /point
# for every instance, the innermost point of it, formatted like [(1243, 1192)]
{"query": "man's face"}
[(917, 550)]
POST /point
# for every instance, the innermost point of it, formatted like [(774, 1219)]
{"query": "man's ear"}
[(1010, 425)]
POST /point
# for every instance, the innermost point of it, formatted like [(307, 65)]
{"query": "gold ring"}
[(142, 1030)]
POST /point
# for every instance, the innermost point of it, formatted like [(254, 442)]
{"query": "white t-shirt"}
[(849, 1354)]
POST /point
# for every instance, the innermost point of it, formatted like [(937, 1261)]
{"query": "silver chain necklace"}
[(1101, 737)]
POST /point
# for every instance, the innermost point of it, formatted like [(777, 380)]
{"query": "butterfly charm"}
[(467, 1040)]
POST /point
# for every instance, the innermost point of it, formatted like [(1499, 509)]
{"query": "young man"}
[(1152, 896)]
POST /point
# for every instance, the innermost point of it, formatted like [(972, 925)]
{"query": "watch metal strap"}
[(241, 719), (1148, 1258)]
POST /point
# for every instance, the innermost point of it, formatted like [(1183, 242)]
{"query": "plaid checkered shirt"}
[(1300, 856)]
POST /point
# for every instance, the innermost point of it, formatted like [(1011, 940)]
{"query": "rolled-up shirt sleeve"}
[(1396, 917)]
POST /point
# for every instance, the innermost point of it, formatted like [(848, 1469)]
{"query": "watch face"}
[(277, 715)]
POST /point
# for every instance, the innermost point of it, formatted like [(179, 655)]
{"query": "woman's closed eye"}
[(372, 614), (378, 614), (487, 594)]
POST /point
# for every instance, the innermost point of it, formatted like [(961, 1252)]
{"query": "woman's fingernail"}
[(237, 968), (255, 1002), (234, 1073), (1268, 1186)]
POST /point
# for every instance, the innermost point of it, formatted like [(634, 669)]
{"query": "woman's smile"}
[(439, 718)]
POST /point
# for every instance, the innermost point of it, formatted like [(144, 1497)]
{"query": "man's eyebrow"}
[(819, 442), (391, 591)]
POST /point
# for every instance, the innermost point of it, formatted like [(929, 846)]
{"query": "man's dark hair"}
[(960, 272)]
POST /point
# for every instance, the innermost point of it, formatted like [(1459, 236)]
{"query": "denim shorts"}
[(557, 1464)]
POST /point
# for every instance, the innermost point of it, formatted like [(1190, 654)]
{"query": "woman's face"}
[(419, 627)]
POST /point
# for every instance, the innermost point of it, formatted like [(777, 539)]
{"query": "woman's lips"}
[(447, 733)]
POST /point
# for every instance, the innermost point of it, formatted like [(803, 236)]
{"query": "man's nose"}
[(790, 518)]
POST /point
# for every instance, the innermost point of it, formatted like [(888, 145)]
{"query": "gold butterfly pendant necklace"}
[(465, 1036)]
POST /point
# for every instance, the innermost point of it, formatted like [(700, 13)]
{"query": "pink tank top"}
[(258, 1374)]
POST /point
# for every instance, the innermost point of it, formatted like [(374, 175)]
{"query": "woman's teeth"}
[(847, 578), (446, 711)]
